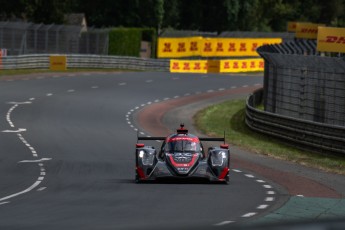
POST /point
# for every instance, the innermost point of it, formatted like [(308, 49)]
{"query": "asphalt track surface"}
[(67, 156)]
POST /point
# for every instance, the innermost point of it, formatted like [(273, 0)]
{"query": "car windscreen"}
[(183, 146)]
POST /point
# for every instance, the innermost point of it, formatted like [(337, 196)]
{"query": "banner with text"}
[(307, 30), (217, 66), (291, 26), (242, 65), (211, 47), (331, 39)]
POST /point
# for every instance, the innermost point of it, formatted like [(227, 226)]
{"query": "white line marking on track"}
[(70, 91), (31, 99), (6, 202), (224, 223), (41, 189), (49, 94), (19, 103), (271, 192), (122, 83), (14, 131), (249, 175), (250, 214), (267, 186), (35, 161), (260, 181), (236, 170), (263, 206), (269, 199), (34, 185), (94, 87)]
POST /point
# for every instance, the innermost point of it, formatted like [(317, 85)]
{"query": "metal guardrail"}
[(41, 61), (303, 134)]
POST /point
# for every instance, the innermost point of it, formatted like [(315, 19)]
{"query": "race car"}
[(182, 157)]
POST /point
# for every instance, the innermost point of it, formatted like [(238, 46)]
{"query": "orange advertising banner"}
[(331, 39), (58, 62), (211, 47), (234, 47), (217, 66), (179, 47), (188, 66), (307, 30), (291, 26), (242, 65)]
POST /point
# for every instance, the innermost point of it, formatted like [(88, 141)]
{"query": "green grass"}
[(229, 117)]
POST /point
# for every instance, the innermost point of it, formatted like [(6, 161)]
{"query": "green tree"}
[(11, 9), (47, 12), (171, 16)]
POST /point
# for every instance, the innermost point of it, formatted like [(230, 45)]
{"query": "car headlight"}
[(217, 159)]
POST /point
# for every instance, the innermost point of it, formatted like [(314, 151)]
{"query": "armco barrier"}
[(307, 135), (41, 61)]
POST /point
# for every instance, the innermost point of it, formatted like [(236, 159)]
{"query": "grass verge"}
[(229, 116)]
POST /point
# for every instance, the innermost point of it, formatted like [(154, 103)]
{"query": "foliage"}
[(202, 15), (129, 38)]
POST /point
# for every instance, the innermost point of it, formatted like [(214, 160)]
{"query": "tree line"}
[(201, 15)]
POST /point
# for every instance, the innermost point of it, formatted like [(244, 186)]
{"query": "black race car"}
[(182, 156)]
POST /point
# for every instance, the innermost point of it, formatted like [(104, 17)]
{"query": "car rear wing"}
[(152, 138), (200, 138)]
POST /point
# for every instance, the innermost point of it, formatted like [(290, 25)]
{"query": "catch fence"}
[(20, 38)]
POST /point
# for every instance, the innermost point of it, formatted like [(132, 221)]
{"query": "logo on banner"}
[(235, 65), (208, 47), (197, 66), (331, 39), (176, 65), (181, 47), (254, 46), (193, 46), (335, 39), (167, 47), (186, 66), (220, 47), (261, 64), (252, 64), (244, 65), (243, 47), (232, 47), (226, 65)]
